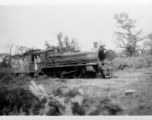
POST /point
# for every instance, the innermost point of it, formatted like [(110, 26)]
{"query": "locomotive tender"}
[(56, 63)]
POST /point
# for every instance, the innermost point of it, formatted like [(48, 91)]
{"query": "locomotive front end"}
[(105, 56)]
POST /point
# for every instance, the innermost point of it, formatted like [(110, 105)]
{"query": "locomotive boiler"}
[(56, 63)]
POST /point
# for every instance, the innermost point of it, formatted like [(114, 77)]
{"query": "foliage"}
[(47, 45), (68, 45), (59, 37), (10, 80), (65, 106), (73, 102), (128, 38), (105, 107), (16, 101), (121, 63), (19, 101), (21, 49)]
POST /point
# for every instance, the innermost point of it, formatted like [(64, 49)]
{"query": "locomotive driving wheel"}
[(99, 74)]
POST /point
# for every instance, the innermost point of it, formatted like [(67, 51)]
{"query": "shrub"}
[(16, 101), (132, 62), (7, 78)]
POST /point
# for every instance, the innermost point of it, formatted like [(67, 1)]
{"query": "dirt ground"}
[(138, 102)]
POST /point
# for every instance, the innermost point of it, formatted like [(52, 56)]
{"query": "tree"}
[(21, 49), (48, 45), (128, 37), (66, 44), (75, 45), (59, 37)]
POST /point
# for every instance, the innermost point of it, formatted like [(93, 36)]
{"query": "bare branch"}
[(141, 39), (139, 32), (121, 42), (129, 36)]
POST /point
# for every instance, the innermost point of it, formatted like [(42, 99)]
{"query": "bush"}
[(16, 101), (12, 81), (132, 62)]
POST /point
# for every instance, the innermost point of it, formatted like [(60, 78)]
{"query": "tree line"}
[(68, 45)]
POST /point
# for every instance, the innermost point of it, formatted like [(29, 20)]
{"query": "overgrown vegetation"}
[(10, 80), (64, 43), (16, 99), (36, 101), (121, 63)]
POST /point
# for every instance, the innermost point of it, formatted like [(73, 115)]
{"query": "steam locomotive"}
[(56, 63)]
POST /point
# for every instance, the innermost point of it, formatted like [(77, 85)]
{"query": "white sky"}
[(31, 25)]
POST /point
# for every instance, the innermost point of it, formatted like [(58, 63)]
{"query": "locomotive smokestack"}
[(95, 44)]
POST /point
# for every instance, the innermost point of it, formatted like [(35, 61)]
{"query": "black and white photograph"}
[(75, 58)]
